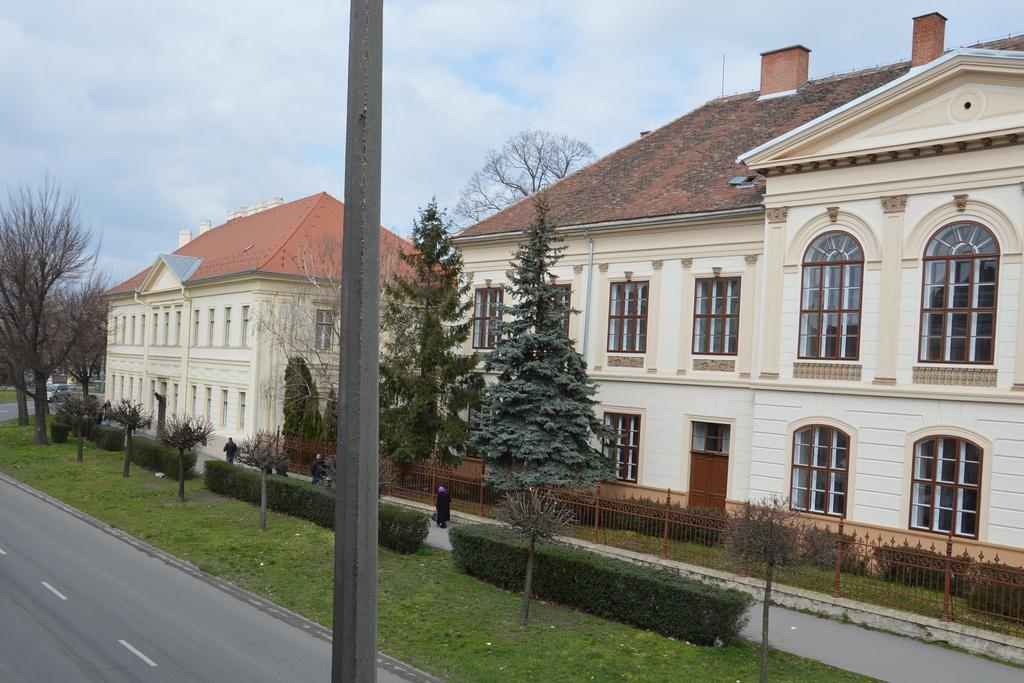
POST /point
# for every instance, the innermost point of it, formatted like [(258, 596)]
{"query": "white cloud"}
[(160, 114)]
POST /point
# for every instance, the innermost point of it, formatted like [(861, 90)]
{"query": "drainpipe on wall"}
[(590, 282)]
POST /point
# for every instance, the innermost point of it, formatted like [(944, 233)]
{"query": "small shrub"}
[(922, 568), (659, 600), (997, 589), (401, 529), (108, 438), (154, 456), (59, 432)]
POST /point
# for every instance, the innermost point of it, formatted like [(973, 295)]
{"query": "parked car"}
[(57, 392)]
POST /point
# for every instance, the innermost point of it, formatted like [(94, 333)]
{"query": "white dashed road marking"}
[(138, 654), (2, 551), (54, 591)]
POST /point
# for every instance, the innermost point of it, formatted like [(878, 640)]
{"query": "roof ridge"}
[(319, 198)]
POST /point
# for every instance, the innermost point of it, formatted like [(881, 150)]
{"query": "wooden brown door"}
[(709, 475)]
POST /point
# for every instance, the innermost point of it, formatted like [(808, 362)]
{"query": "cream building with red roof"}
[(210, 326), (812, 290)]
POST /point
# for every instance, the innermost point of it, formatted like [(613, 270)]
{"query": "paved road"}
[(79, 604), (9, 411)]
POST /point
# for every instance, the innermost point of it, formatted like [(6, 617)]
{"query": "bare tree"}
[(185, 432), (306, 320), (133, 417), (528, 161), (44, 251), (535, 515), (769, 536), (86, 317), (78, 413), (387, 475), (262, 451)]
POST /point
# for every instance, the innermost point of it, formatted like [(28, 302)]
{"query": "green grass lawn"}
[(7, 396), (430, 615)]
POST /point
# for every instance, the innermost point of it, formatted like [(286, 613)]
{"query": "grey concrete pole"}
[(355, 518)]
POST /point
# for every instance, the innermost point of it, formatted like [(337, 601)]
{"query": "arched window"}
[(830, 296), (821, 459), (958, 304), (946, 486)]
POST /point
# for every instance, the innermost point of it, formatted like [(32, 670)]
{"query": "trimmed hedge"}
[(59, 432), (399, 529), (108, 438), (157, 457), (658, 600)]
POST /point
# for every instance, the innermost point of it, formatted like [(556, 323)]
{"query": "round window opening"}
[(967, 105)]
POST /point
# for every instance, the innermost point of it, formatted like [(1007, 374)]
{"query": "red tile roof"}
[(287, 239), (685, 166)]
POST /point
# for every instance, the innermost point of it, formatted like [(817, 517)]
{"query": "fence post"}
[(483, 484), (836, 589), (946, 596), (433, 482), (664, 535), (597, 513)]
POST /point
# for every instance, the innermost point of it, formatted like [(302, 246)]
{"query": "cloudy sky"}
[(161, 113)]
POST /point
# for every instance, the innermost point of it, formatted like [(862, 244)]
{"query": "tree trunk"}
[(40, 406), (769, 574), (528, 582), (78, 433), (22, 407), (181, 474), (126, 471), (263, 499)]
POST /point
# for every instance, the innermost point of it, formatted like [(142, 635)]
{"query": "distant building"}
[(211, 325), (811, 290)]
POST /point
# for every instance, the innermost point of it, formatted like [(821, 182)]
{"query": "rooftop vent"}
[(743, 181), (184, 237)]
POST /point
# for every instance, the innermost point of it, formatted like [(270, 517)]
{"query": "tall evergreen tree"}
[(539, 424), (425, 382), (301, 401)]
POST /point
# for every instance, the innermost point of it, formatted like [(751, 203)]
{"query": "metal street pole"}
[(355, 518)]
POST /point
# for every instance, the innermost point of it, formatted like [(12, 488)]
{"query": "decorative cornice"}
[(894, 203), (750, 259), (657, 264), (603, 267), (777, 214), (960, 200), (833, 213), (687, 262), (578, 268)]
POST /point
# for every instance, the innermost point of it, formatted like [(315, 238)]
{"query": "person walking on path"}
[(106, 411), (443, 506), (231, 448), (317, 469)]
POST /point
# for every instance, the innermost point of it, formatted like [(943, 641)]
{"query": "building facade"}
[(211, 326), (812, 290)]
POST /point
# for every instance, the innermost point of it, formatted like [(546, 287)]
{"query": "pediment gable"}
[(963, 96), (168, 272)]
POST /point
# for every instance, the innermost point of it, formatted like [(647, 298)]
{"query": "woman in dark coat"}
[(443, 507)]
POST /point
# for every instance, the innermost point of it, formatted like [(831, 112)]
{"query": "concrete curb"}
[(384, 661), (975, 640)]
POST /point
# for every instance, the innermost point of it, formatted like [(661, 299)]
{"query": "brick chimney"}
[(929, 38), (783, 69), (205, 225)]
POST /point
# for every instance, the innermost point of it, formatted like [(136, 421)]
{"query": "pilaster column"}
[(577, 302), (1018, 363), (654, 316), (894, 207), (771, 322), (600, 321), (686, 317), (748, 304)]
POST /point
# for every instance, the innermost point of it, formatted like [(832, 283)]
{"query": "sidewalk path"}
[(877, 654)]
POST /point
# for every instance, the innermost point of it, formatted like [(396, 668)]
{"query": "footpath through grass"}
[(430, 615)]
